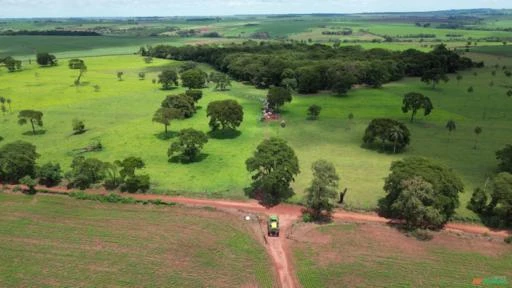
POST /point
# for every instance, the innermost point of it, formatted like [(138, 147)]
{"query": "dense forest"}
[(310, 68)]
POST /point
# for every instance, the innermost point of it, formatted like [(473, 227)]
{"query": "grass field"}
[(53, 241), (367, 255), (120, 116)]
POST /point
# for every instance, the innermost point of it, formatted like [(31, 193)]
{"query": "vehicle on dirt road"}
[(273, 226)]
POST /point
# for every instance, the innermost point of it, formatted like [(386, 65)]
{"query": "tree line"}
[(311, 68)]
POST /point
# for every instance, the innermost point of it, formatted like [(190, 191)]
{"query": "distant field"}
[(78, 46), (51, 241), (120, 116), (366, 255), (502, 50)]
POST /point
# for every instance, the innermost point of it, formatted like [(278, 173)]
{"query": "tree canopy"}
[(415, 101), (167, 78), (46, 59), (322, 192), (225, 114), (311, 68), (189, 145), (85, 172), (432, 187), (274, 166), (194, 78), (164, 115), (389, 132), (277, 96), (31, 116), (221, 81), (182, 102), (17, 159), (494, 202), (505, 157)]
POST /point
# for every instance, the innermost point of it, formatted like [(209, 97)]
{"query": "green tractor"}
[(273, 226)]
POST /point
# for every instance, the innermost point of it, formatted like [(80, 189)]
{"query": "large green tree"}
[(50, 174), (189, 145), (505, 157), (194, 78), (31, 116), (494, 201), (277, 96), (442, 196), (164, 115), (17, 159), (274, 166), (182, 102), (434, 76), (415, 101), (78, 64), (167, 78), (85, 172), (225, 114), (414, 204), (388, 133), (130, 181), (321, 194), (46, 59), (221, 81)]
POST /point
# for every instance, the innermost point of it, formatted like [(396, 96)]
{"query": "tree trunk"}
[(412, 116), (165, 130), (33, 128)]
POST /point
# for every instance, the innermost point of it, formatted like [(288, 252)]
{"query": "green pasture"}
[(353, 256), (53, 241), (119, 115), (80, 46)]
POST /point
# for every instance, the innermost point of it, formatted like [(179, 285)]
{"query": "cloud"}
[(67, 8)]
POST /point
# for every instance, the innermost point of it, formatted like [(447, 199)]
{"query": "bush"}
[(508, 240), (49, 174), (195, 94), (30, 183), (135, 183), (306, 217)]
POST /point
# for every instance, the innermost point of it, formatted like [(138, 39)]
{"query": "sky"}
[(116, 8)]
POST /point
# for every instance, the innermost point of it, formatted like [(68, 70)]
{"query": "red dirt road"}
[(277, 247)]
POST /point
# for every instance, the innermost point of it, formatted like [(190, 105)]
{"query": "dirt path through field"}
[(277, 247)]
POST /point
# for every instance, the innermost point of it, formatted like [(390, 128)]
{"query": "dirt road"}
[(277, 247)]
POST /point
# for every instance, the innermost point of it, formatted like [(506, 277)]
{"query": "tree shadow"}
[(38, 132), (168, 89), (79, 132), (224, 134), (179, 159), (263, 199), (166, 136)]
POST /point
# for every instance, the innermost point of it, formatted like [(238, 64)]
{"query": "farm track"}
[(277, 247)]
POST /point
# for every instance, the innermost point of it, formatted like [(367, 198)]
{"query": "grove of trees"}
[(310, 68)]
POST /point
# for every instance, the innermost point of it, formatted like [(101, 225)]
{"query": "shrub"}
[(508, 240), (306, 217), (135, 183), (195, 94), (314, 111), (49, 174), (30, 183)]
